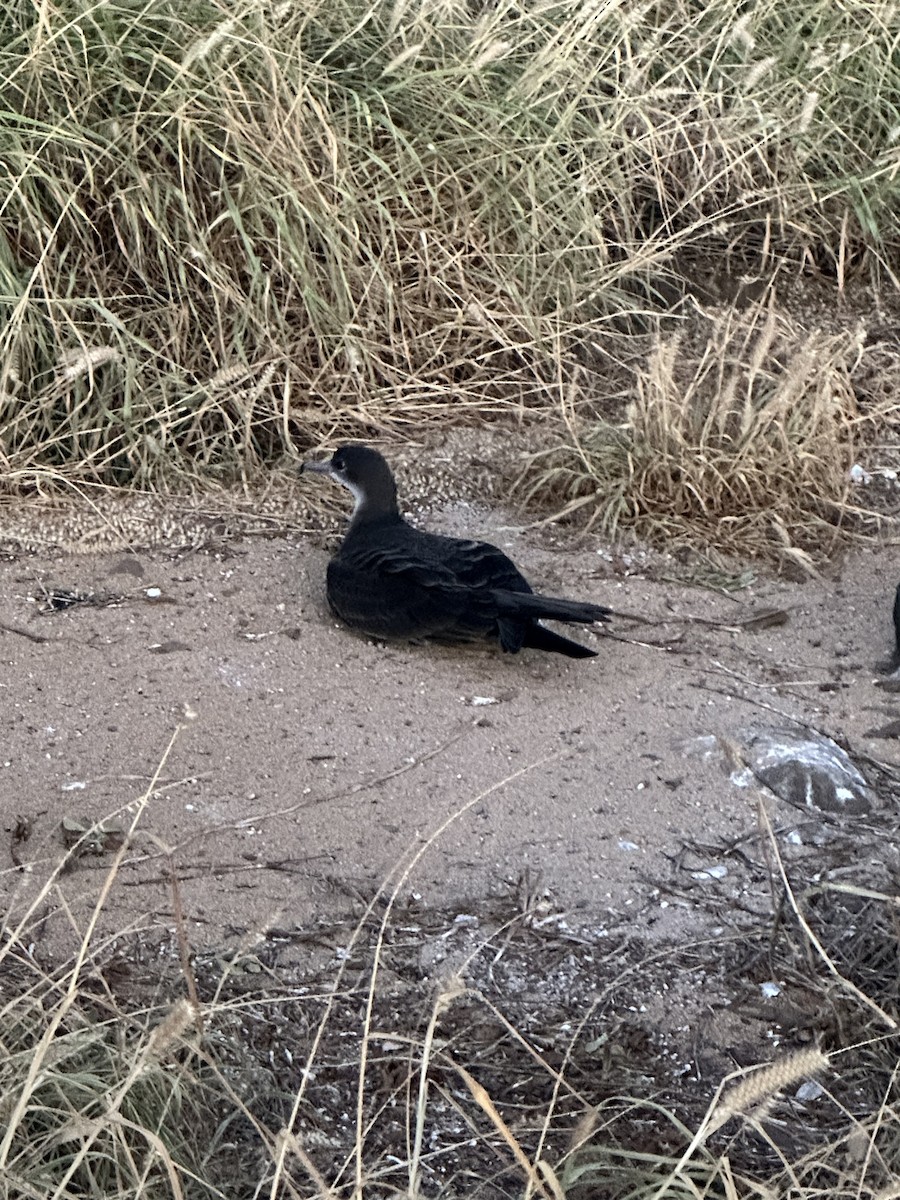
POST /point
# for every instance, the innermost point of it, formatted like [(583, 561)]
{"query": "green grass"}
[(104, 1116), (225, 232)]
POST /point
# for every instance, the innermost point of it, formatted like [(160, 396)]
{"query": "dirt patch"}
[(388, 870), (321, 765)]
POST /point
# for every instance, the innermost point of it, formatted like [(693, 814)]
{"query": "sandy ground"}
[(318, 765)]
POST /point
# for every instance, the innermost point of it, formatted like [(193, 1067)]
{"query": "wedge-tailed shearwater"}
[(390, 580)]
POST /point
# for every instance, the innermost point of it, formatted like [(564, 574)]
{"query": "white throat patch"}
[(354, 491)]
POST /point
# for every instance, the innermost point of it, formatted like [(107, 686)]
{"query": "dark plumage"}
[(393, 581)]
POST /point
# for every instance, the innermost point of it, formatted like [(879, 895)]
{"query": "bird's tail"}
[(527, 605), (539, 638)]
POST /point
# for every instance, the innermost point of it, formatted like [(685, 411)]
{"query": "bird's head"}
[(365, 474)]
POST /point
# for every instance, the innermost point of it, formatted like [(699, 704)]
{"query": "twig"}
[(814, 941), (25, 633)]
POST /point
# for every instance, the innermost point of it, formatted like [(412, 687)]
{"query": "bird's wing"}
[(537, 607), (415, 584), (477, 565), (398, 563), (386, 596)]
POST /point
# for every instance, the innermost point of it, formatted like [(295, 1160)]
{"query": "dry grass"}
[(243, 1091), (740, 439), (225, 234)]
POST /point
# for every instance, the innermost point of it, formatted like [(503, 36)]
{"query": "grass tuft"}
[(104, 1116), (741, 439)]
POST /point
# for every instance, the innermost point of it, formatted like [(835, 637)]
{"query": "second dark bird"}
[(390, 580)]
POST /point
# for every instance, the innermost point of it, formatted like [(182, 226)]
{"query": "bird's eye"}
[(338, 463)]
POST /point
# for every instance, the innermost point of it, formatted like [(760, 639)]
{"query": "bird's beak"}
[(317, 468)]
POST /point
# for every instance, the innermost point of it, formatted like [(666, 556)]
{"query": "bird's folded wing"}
[(398, 563), (405, 602), (536, 607), (431, 561), (481, 565)]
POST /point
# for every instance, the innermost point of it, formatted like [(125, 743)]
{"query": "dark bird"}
[(390, 580)]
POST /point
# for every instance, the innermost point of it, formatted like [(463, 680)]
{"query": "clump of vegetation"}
[(91, 1105), (741, 438), (538, 1072), (223, 234), (527, 1070)]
